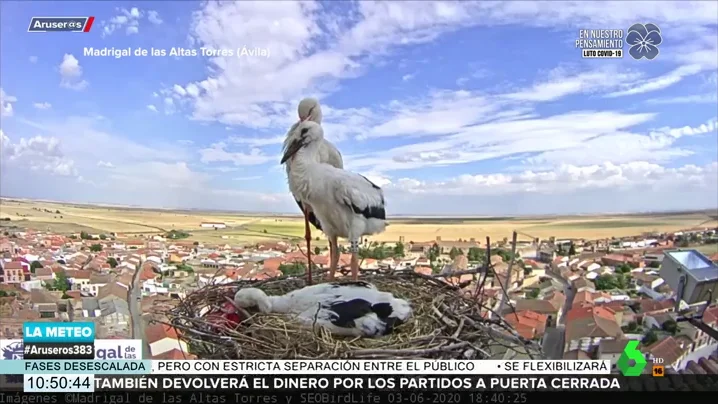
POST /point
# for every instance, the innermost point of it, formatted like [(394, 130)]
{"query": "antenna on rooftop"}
[(694, 278)]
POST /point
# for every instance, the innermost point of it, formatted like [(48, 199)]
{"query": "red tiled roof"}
[(668, 349), (174, 354), (157, 332)]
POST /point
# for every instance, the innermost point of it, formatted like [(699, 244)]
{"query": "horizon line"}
[(408, 216)]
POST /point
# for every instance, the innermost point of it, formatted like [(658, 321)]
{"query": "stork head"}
[(304, 134), (309, 110), (253, 297)]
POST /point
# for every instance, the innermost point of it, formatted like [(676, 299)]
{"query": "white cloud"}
[(179, 90), (38, 153), (6, 103), (42, 105), (152, 108), (105, 164), (659, 83), (185, 142), (249, 178), (129, 19), (568, 179), (466, 143), (708, 98), (238, 90), (85, 140), (407, 77), (561, 84), (154, 17), (71, 74), (169, 106), (623, 147), (257, 141), (217, 153), (33, 59)]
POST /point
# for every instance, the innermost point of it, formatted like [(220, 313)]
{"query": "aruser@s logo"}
[(12, 351), (643, 41)]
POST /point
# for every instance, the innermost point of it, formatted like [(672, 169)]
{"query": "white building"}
[(213, 225)]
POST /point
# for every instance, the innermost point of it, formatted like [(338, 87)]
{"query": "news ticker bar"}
[(323, 367), (46, 351), (258, 384)]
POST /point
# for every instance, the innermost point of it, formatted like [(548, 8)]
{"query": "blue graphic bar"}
[(76, 367), (59, 332)]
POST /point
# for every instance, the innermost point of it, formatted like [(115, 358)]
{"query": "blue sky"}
[(454, 108)]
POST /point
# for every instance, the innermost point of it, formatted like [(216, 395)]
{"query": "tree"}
[(632, 326), (113, 262), (176, 234), (295, 268), (103, 237), (61, 282), (35, 265), (85, 236), (571, 250), (649, 338), (624, 268), (654, 264), (621, 281), (399, 249), (533, 294), (505, 255), (3, 293), (317, 250), (670, 326), (606, 282), (454, 253), (96, 247), (476, 254)]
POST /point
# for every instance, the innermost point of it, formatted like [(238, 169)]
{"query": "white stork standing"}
[(309, 109), (345, 203), (344, 308)]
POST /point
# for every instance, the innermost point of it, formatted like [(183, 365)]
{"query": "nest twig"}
[(447, 324)]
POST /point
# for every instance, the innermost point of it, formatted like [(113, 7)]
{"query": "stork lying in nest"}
[(356, 309)]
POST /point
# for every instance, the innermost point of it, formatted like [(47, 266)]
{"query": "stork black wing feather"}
[(348, 311), (370, 212), (360, 284), (312, 218)]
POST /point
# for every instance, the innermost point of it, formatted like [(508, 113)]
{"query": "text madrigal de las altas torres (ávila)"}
[(244, 51)]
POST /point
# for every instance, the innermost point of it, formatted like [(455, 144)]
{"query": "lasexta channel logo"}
[(631, 362)]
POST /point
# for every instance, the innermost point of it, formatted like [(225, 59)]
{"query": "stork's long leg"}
[(308, 238), (333, 257), (355, 259)]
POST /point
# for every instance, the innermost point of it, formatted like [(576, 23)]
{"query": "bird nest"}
[(446, 324)]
